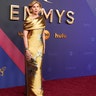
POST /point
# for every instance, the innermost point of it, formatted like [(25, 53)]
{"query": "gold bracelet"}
[(26, 48)]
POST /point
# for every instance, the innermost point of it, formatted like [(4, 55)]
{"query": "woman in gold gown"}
[(34, 43)]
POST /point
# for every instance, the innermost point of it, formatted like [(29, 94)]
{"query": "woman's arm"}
[(25, 39), (43, 42), (27, 52)]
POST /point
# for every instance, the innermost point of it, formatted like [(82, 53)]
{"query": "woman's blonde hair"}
[(34, 2)]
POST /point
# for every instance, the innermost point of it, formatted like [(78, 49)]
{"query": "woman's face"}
[(35, 9)]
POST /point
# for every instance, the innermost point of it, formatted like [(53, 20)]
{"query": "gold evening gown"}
[(35, 28)]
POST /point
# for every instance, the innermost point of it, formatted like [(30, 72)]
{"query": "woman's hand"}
[(28, 55)]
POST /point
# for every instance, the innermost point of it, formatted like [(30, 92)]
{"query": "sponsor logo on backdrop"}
[(47, 1), (49, 14), (47, 34), (2, 71)]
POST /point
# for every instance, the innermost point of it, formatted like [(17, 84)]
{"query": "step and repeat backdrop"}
[(70, 40)]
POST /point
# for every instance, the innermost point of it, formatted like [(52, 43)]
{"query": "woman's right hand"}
[(28, 55)]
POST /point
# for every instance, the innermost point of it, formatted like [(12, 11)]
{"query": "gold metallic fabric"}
[(35, 45)]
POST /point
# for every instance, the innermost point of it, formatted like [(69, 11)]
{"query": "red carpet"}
[(83, 86)]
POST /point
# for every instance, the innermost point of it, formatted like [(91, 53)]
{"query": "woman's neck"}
[(35, 15)]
